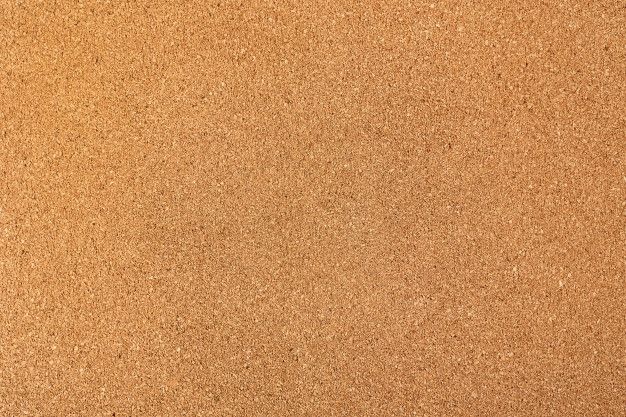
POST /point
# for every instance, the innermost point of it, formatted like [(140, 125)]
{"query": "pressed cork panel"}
[(312, 208)]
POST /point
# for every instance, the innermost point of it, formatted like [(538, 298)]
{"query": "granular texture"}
[(312, 208)]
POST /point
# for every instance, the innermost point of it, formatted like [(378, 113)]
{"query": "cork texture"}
[(312, 208)]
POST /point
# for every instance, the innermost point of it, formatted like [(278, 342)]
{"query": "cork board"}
[(312, 208)]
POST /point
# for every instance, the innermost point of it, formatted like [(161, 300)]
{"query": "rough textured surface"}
[(312, 208)]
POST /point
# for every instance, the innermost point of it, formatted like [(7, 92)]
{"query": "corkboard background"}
[(312, 208)]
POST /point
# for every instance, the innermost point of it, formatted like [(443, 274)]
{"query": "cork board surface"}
[(312, 208)]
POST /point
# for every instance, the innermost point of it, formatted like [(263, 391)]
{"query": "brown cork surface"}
[(312, 208)]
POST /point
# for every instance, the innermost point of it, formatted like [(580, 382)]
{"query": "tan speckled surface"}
[(312, 208)]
